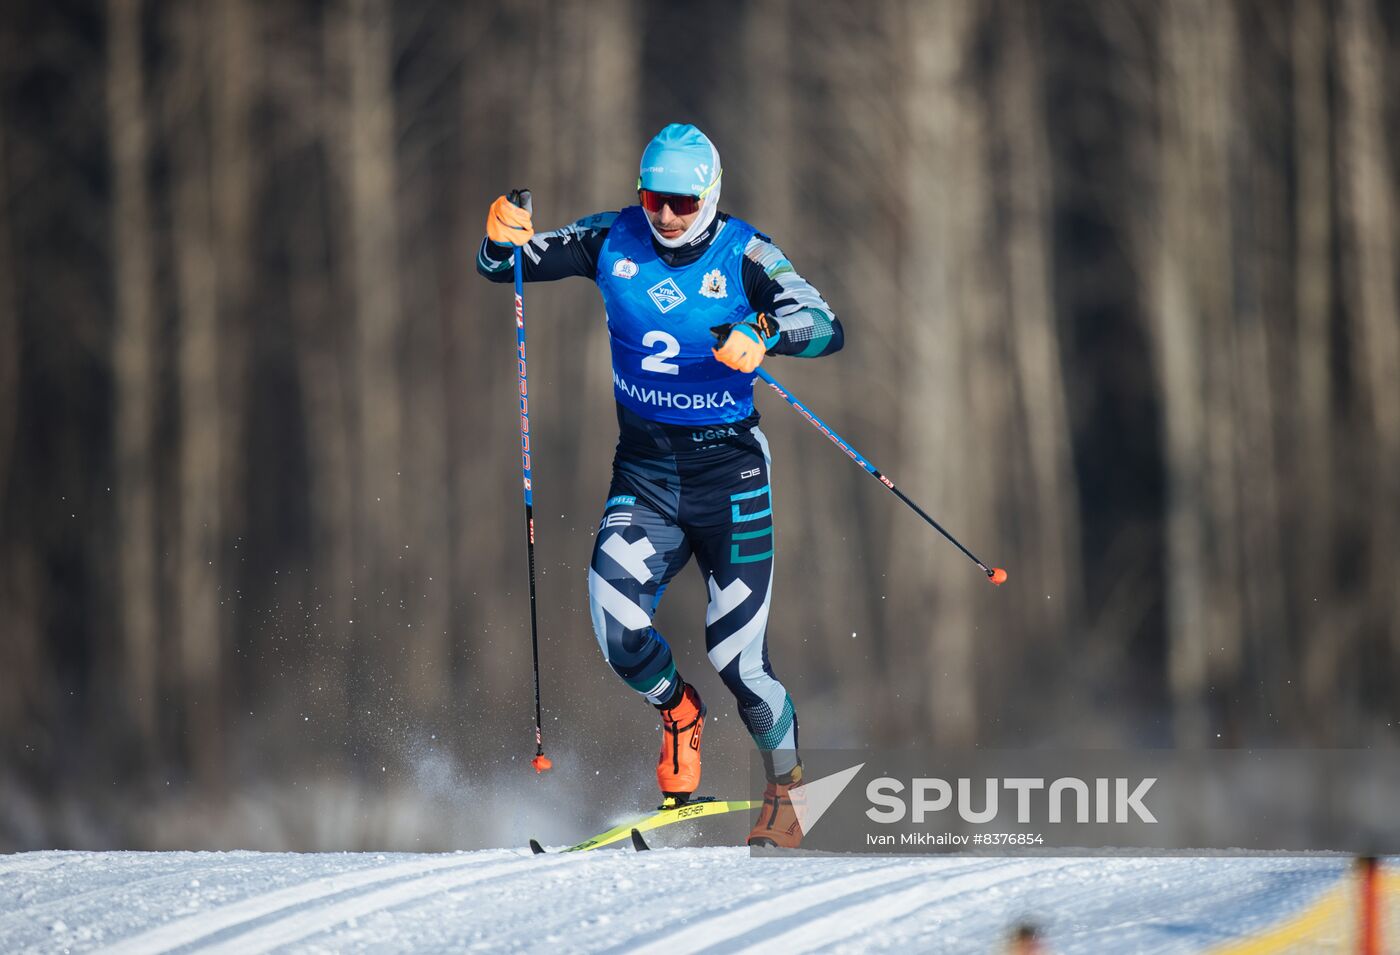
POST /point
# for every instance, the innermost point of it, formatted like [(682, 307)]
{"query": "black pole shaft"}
[(534, 628), (936, 526)]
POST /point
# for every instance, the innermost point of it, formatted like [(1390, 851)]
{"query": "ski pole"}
[(521, 198), (995, 574)]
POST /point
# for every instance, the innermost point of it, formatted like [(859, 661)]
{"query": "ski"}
[(633, 828)]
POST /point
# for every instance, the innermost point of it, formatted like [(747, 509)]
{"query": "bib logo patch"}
[(666, 294), (624, 268), (714, 285)]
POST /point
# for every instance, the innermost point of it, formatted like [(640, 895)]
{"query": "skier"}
[(691, 470)]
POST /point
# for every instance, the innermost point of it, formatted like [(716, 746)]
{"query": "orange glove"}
[(746, 343), (508, 224)]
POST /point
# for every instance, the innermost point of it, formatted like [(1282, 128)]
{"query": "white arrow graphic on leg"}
[(723, 601), (811, 800)]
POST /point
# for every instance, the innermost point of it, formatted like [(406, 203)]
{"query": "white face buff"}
[(708, 207)]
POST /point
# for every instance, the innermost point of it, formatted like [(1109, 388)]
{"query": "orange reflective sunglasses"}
[(680, 205)]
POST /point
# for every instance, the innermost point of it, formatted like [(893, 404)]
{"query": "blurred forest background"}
[(1118, 284)]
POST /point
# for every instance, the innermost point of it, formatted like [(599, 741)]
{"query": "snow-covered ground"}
[(617, 900)]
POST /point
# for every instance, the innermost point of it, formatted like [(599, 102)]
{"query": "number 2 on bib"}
[(657, 362)]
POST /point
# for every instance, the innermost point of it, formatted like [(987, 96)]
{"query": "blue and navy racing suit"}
[(691, 471)]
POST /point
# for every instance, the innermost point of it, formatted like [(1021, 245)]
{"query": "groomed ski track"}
[(617, 900)]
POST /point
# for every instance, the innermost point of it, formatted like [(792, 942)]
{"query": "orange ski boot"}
[(777, 822), (678, 766)]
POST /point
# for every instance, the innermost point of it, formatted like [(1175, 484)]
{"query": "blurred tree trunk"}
[(769, 169), (203, 452), (1260, 377), (316, 302), (134, 364), (483, 434), (589, 98), (331, 500), (596, 107), (1369, 206), (19, 649), (608, 118), (808, 628), (542, 132), (770, 121), (947, 300), (366, 160), (27, 700), (234, 69), (9, 338), (1313, 413), (586, 108), (1192, 303), (1050, 540), (424, 83), (838, 557)]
